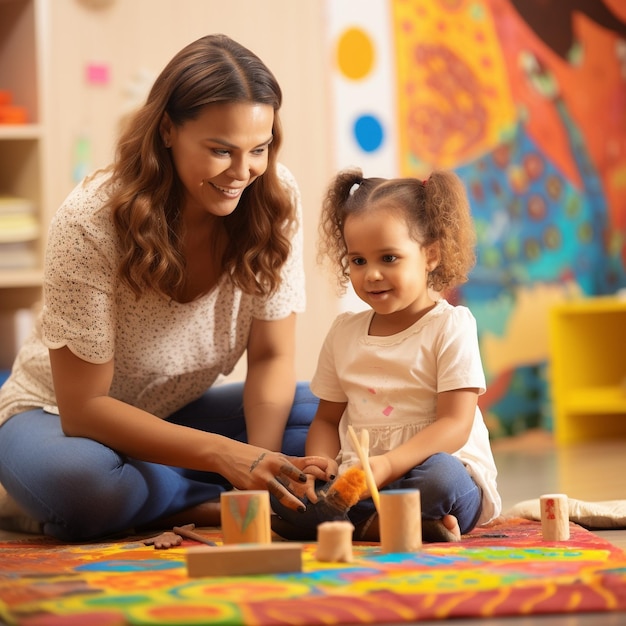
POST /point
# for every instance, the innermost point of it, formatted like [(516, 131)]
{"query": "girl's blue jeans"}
[(445, 486), (80, 490)]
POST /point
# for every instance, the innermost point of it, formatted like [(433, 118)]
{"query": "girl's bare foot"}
[(433, 530), (440, 530)]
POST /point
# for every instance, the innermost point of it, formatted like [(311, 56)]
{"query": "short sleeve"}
[(325, 383), (459, 364), (79, 277), (290, 296)]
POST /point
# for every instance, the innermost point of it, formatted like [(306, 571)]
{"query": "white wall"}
[(134, 39)]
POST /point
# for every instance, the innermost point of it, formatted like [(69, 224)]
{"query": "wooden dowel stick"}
[(185, 531), (363, 452)]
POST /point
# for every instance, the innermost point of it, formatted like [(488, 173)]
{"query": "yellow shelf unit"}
[(588, 369)]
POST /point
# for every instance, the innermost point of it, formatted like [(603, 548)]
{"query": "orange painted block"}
[(242, 559), (10, 114)]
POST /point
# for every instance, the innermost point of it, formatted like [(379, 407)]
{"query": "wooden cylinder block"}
[(400, 520), (245, 517), (554, 517), (334, 541)]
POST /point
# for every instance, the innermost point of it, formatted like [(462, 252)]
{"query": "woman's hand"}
[(285, 477)]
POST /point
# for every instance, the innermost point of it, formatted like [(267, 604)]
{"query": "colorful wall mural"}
[(526, 101)]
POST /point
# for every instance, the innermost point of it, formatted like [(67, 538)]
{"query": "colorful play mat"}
[(503, 570)]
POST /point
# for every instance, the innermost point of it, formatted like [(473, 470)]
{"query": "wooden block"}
[(554, 509), (400, 520), (245, 517), (334, 541), (249, 558)]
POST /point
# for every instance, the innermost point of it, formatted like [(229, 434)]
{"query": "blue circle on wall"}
[(368, 132)]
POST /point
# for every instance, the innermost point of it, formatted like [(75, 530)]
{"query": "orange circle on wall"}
[(355, 53)]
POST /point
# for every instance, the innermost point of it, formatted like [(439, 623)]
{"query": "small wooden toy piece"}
[(245, 517), (362, 450), (244, 559), (188, 532), (174, 537), (400, 520), (554, 508), (164, 541), (334, 542)]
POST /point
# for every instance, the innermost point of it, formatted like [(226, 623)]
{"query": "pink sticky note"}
[(97, 73)]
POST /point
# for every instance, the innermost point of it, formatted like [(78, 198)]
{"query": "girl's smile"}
[(388, 268)]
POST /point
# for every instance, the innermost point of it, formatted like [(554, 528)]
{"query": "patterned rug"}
[(503, 570)]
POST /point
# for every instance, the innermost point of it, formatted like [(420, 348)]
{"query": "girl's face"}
[(388, 269), (221, 152)]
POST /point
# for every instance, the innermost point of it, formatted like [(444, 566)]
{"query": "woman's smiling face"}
[(219, 153)]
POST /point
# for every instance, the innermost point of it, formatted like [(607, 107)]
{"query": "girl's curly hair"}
[(436, 210), (146, 193)]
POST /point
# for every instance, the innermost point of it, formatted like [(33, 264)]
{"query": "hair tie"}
[(355, 187)]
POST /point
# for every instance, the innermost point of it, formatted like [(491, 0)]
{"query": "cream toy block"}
[(249, 558), (334, 542), (554, 510)]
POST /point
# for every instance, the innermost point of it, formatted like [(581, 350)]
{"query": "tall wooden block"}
[(400, 520), (554, 510), (245, 517)]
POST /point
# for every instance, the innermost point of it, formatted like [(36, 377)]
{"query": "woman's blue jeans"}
[(445, 486), (81, 490)]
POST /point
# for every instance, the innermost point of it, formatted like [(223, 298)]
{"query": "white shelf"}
[(20, 278), (20, 131)]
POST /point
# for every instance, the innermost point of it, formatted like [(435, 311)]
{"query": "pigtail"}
[(449, 223), (344, 194)]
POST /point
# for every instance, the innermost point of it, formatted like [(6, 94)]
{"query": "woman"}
[(160, 273)]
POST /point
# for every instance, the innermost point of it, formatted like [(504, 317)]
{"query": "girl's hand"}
[(314, 473), (381, 470)]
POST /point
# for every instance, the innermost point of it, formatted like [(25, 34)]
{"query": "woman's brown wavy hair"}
[(146, 193)]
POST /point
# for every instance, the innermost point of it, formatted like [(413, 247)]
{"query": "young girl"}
[(408, 370)]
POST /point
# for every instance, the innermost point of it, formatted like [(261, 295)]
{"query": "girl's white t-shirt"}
[(391, 384)]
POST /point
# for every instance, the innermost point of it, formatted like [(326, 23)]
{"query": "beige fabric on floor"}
[(605, 514), (8, 506), (13, 518)]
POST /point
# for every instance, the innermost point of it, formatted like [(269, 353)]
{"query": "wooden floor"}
[(531, 465)]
